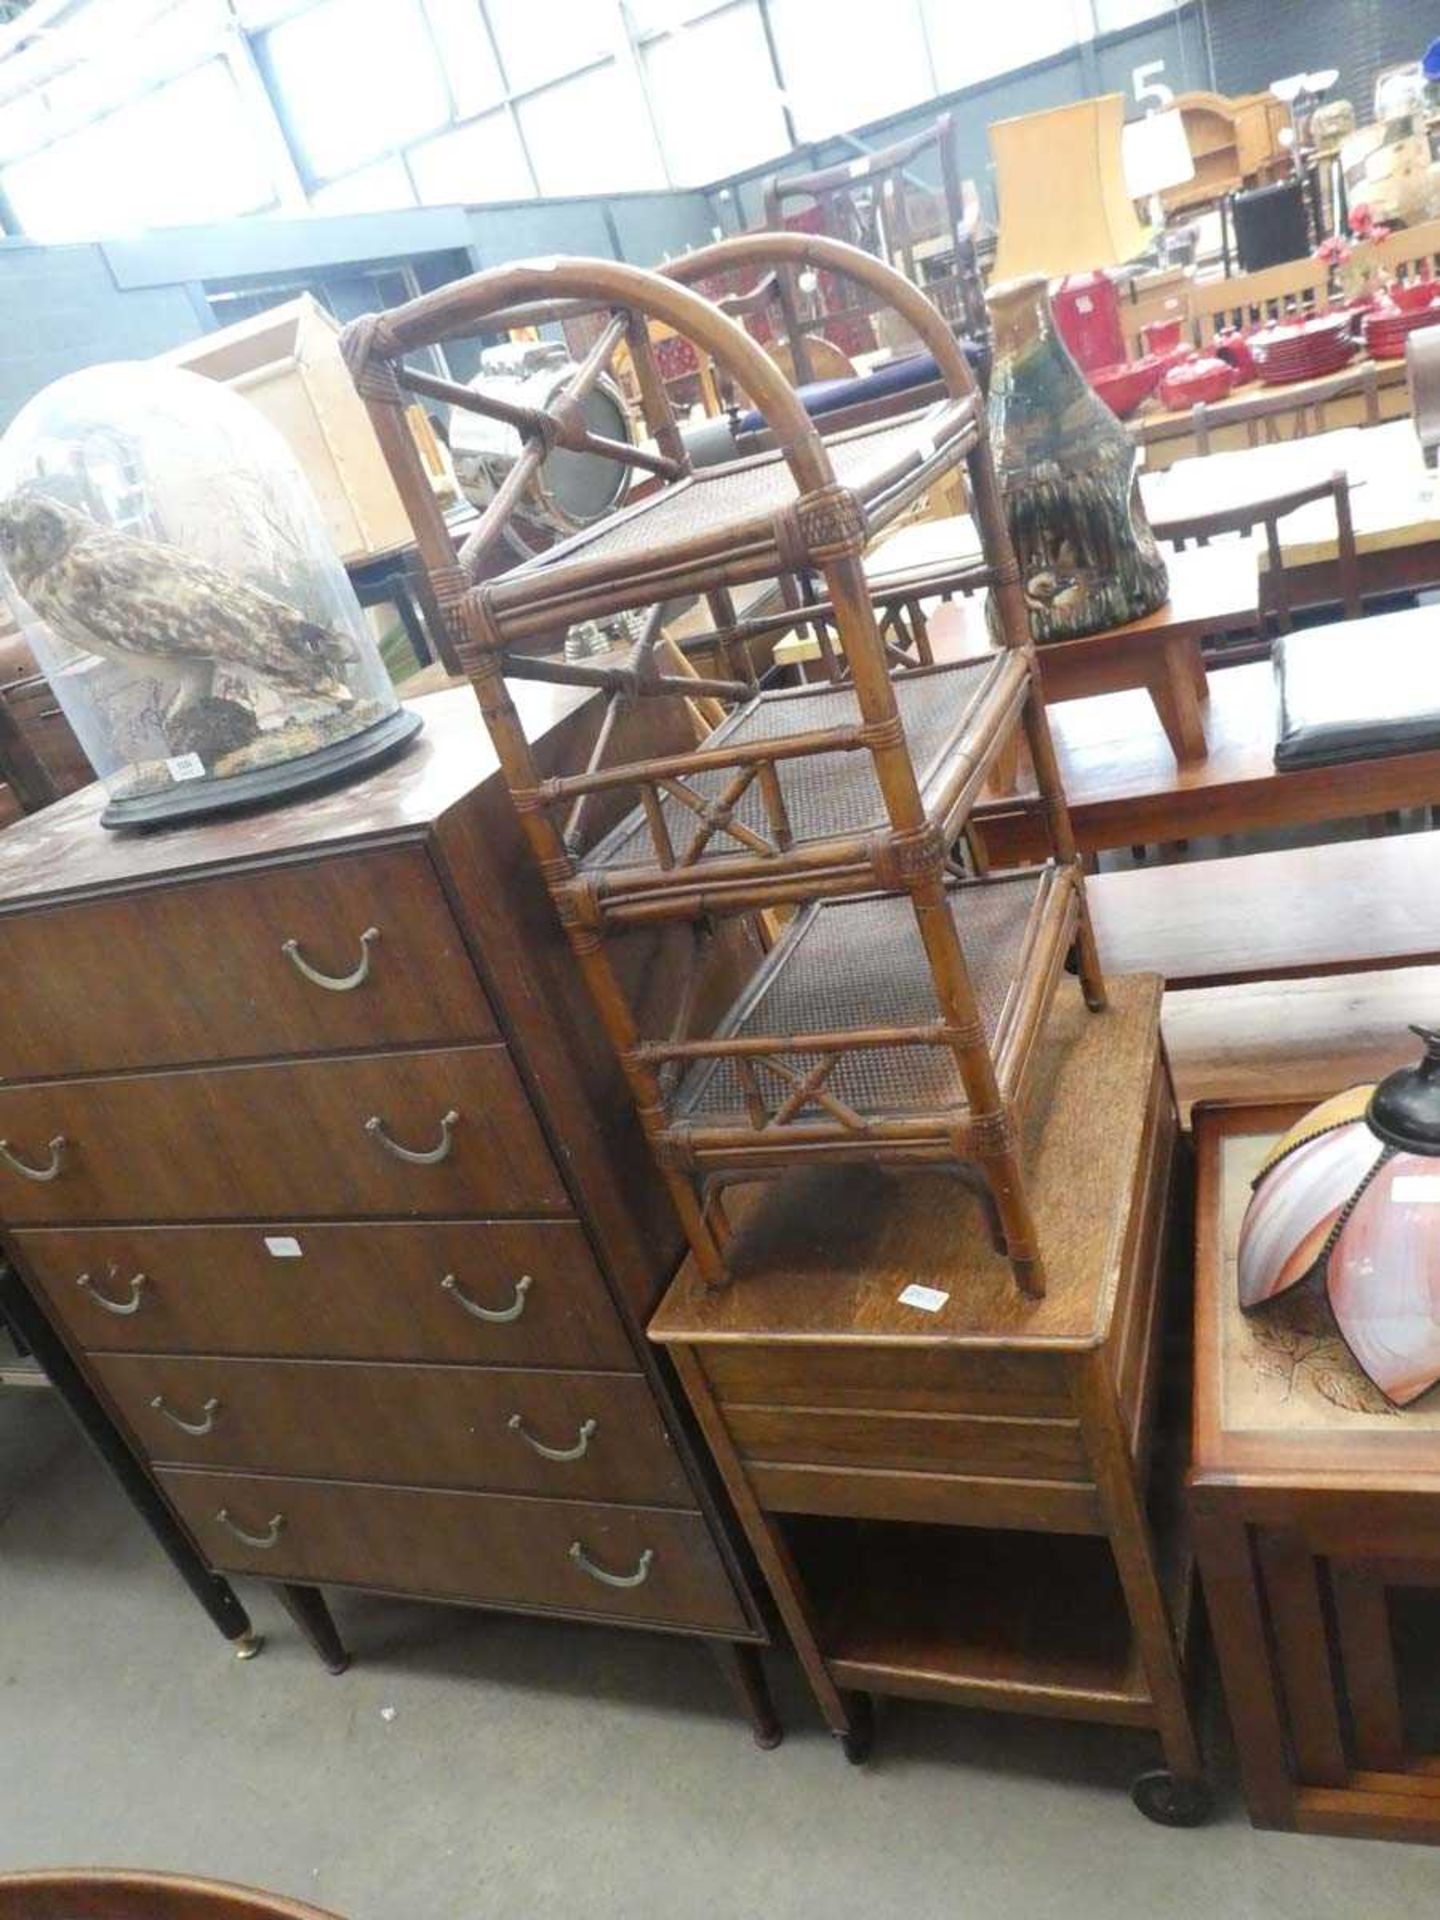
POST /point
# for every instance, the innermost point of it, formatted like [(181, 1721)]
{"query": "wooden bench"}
[(1275, 1040), (1338, 908), (1125, 788)]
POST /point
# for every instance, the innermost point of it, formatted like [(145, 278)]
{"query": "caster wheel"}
[(1170, 1802), (857, 1743), (248, 1645)]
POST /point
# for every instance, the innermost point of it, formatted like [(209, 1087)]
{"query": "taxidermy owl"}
[(138, 601)]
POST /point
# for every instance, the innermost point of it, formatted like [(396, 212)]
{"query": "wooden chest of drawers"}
[(311, 1155)]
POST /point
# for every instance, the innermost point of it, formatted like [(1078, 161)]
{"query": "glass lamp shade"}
[(1352, 1194), (167, 563)]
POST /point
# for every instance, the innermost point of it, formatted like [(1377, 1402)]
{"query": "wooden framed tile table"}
[(1315, 1508), (944, 1484)]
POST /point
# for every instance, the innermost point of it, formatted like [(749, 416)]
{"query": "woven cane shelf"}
[(848, 967), (725, 525), (893, 1017), (957, 718)]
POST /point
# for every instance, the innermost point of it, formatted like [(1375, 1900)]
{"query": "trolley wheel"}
[(856, 1744), (1170, 1802)]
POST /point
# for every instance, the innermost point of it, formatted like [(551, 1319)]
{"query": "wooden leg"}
[(1062, 841), (307, 1608), (214, 1593), (1172, 689), (1367, 1660), (746, 1678), (1197, 670), (1128, 1530), (1292, 1592), (772, 1551), (1237, 1627)]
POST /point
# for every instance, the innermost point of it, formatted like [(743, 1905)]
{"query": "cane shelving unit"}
[(892, 1018)]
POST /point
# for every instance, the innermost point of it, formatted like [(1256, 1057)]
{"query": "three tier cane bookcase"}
[(892, 1014)]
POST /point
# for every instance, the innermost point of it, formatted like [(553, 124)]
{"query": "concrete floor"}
[(474, 1766)]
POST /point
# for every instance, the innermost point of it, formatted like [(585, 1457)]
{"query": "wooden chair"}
[(141, 1896), (867, 201), (1242, 520), (894, 1018), (1287, 292), (1265, 411)]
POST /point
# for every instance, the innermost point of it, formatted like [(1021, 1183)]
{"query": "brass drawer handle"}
[(138, 1284), (205, 1424), (497, 1316), (270, 1538), (23, 1167), (636, 1579), (588, 1430), (418, 1157), (333, 982)]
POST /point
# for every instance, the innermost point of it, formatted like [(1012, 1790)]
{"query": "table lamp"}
[(1156, 154), (1352, 1194), (1065, 205)]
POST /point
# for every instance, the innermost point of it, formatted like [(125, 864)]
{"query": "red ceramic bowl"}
[(1123, 387), (1203, 380), (1234, 347), (1161, 337), (1415, 297)]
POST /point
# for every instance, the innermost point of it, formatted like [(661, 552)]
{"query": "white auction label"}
[(928, 1299), (282, 1246), (1418, 1189), (186, 766)]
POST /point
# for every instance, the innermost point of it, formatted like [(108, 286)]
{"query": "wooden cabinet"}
[(946, 1483), (312, 1158)]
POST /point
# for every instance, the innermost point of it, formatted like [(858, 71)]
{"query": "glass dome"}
[(168, 565)]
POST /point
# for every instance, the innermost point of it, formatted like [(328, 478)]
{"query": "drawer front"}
[(207, 971), (523, 1293), (490, 1549), (588, 1436), (313, 1137), (914, 1443), (890, 1379)]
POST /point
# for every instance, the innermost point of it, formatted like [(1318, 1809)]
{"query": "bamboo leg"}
[(1062, 840)]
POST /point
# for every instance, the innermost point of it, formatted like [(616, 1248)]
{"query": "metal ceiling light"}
[(1351, 1195)]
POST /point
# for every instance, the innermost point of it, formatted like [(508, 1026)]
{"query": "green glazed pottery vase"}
[(1088, 560)]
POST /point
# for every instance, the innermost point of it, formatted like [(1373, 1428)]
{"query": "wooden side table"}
[(1316, 1514), (944, 1483)]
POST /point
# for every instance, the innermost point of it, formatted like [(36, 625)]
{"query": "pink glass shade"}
[(1333, 1198)]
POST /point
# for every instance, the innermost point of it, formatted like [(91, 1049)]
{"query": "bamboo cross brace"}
[(614, 707), (659, 830), (715, 817), (810, 1088)]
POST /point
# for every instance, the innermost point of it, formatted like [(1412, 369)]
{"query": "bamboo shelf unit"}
[(892, 1019)]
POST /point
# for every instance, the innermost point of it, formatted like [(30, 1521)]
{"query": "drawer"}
[(890, 1379), (913, 1443), (490, 1549), (206, 971), (521, 1293), (312, 1137), (589, 1436)]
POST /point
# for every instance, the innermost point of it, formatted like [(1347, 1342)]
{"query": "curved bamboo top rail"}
[(794, 250), (844, 173), (476, 304)]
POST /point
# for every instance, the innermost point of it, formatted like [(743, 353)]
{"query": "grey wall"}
[(1257, 41), (60, 308), (1105, 66)]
